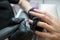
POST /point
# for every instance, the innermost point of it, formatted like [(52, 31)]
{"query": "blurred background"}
[(37, 3)]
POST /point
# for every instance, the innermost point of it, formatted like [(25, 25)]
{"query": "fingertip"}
[(31, 12), (36, 32), (30, 21), (35, 9)]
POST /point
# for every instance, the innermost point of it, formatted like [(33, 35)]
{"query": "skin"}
[(50, 24), (25, 5)]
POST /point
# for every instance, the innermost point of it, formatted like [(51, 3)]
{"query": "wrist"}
[(25, 5), (20, 2)]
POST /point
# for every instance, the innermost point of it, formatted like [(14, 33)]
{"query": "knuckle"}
[(44, 16), (53, 36), (42, 11)]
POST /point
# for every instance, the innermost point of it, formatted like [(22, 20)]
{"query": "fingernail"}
[(30, 21), (31, 12), (35, 9)]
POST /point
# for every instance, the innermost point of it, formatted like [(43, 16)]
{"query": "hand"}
[(51, 24)]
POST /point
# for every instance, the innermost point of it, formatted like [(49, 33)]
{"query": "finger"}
[(44, 12), (30, 21), (44, 35), (42, 16), (45, 26)]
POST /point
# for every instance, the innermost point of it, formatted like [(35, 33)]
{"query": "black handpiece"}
[(15, 21), (35, 20)]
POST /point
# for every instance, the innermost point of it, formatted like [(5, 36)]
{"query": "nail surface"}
[(30, 21), (35, 9), (31, 12)]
